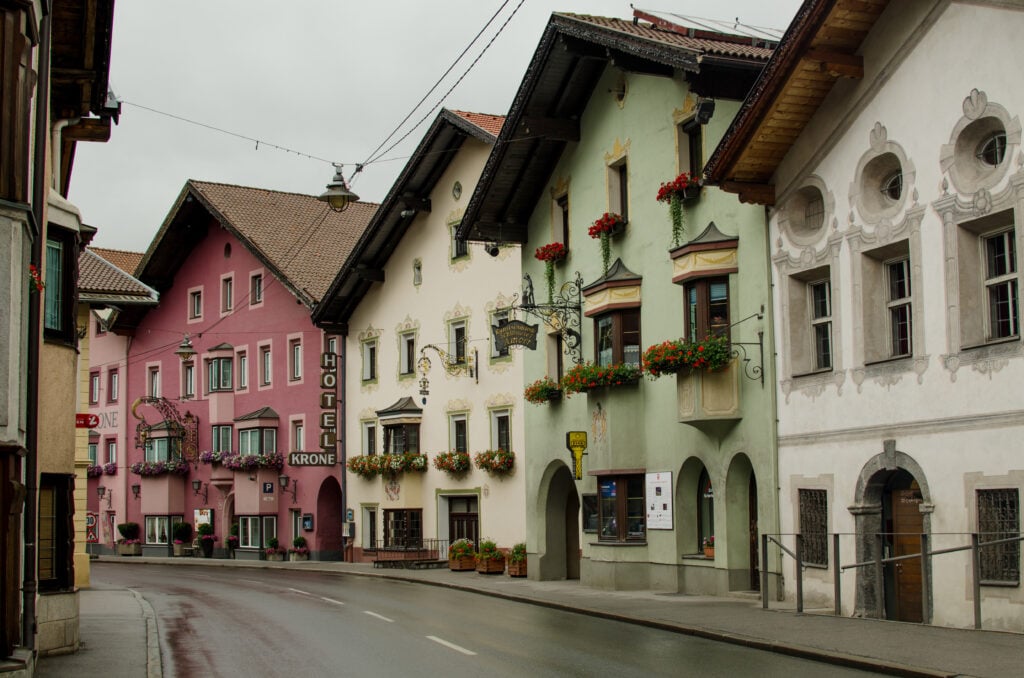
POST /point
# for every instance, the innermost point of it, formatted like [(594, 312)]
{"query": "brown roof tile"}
[(97, 275), (295, 233), (124, 260), (485, 121)]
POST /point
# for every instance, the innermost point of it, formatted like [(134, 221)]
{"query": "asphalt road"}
[(224, 622)]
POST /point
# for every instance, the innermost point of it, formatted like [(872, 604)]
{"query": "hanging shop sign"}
[(86, 420), (515, 333), (328, 402), (659, 500), (576, 441)]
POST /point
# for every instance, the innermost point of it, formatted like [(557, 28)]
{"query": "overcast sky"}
[(328, 78)]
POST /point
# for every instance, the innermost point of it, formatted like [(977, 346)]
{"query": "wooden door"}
[(755, 566), (907, 524)]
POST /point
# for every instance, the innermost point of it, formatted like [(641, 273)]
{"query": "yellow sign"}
[(576, 441)]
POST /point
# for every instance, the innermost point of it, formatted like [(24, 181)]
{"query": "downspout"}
[(773, 396), (40, 192)]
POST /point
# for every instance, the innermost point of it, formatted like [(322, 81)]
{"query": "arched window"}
[(705, 509)]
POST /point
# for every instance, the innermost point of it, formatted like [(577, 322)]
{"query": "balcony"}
[(709, 396)]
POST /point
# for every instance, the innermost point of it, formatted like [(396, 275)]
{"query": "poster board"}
[(658, 496)]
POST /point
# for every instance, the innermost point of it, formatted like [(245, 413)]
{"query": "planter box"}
[(298, 557), (517, 569), (709, 395), (709, 552), (182, 550), (129, 549), (490, 566), (464, 564), (275, 557)]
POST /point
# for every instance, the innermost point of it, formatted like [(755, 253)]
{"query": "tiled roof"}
[(97, 275), (126, 261), (485, 121), (727, 46), (262, 413), (296, 233)]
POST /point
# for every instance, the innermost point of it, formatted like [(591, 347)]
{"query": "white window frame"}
[(266, 366), (249, 532), (256, 289), (369, 354), (895, 305), (160, 524), (153, 381), (195, 304), (219, 377), (111, 452), (369, 440), (113, 388), (227, 294), (295, 357), (243, 370), (1008, 280), (263, 438), (94, 450), (496, 415), (188, 380), (221, 436), (453, 421), (298, 435), (407, 357), (820, 321), (94, 387)]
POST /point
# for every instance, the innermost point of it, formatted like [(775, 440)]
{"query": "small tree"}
[(129, 531), (182, 532)]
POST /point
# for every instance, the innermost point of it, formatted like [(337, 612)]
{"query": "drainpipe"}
[(55, 148), (771, 358), (40, 191)]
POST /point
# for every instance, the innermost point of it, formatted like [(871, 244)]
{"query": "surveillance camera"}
[(492, 248)]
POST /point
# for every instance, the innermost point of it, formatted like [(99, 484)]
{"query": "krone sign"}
[(313, 458)]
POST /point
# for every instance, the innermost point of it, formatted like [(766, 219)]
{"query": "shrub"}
[(182, 532), (518, 553), (461, 548), (129, 530), (489, 551)]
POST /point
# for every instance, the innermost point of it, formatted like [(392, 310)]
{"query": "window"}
[(898, 275), (295, 355), (112, 386), (992, 150), (94, 387), (369, 527), (221, 439), (562, 218), (56, 532), (417, 272), (158, 528), (219, 370), (618, 190), (459, 246), (689, 136), (501, 431), (457, 433), (617, 337), (111, 452), (403, 527), (814, 526), (265, 365), (59, 293), (257, 441), (402, 438), (369, 437), (892, 186), (153, 382), (163, 449), (243, 370), (705, 509), (298, 436), (227, 295), (369, 361), (195, 304), (93, 453), (821, 323), (498, 319), (188, 380), (707, 308), (999, 518), (407, 346), (255, 532), (256, 289), (1001, 284), (620, 508), (457, 341)]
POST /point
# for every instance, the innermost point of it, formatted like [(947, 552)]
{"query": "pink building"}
[(242, 433)]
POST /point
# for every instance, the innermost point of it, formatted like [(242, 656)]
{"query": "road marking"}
[(452, 646), (302, 592), (201, 576), (332, 600), (254, 581), (378, 616)]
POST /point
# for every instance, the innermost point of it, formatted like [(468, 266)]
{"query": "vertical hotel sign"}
[(329, 404)]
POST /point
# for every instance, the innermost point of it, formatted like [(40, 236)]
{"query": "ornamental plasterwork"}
[(792, 215), (686, 111), (958, 159), (866, 188), (812, 386), (560, 187), (407, 325), (693, 263), (369, 333), (611, 296), (459, 312), (462, 263), (501, 400), (458, 406), (619, 151), (368, 414), (500, 302)]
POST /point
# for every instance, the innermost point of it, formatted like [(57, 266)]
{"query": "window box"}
[(464, 564), (709, 395)]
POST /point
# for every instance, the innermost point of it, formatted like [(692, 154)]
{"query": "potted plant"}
[(273, 551), (232, 540), (206, 539), (299, 551), (495, 462), (683, 187), (461, 555), (586, 376), (517, 560), (182, 533), (489, 560), (550, 254), (93, 471), (452, 463), (542, 391), (607, 225), (709, 546), (129, 544)]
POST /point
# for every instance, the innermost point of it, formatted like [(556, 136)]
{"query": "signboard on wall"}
[(201, 516), (328, 401), (313, 458), (659, 500), (86, 420)]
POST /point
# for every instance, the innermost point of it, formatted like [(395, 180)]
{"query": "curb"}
[(154, 665)]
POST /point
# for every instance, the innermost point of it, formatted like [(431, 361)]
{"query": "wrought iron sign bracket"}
[(754, 372), (451, 364), (187, 425), (564, 314)]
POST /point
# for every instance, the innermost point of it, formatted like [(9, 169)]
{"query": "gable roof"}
[(820, 46), (124, 260), (573, 53), (297, 237), (101, 283), (410, 193)]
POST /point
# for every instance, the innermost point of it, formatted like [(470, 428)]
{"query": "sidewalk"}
[(888, 647)]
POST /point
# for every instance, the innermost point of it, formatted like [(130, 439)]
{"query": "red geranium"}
[(551, 252), (675, 187), (606, 223)]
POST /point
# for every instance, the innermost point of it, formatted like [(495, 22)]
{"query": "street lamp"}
[(136, 488), (338, 196), (185, 351), (283, 481), (102, 492), (198, 485)]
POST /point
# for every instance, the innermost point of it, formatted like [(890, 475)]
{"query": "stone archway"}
[(741, 524), (329, 521), (873, 497), (558, 531)]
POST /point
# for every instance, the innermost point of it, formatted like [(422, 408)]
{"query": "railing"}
[(878, 563), (409, 549)]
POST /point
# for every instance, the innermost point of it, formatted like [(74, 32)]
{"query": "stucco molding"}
[(968, 174)]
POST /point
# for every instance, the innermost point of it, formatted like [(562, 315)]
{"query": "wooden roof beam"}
[(758, 194), (412, 202), (88, 129), (837, 64)]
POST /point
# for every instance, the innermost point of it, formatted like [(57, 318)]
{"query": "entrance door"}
[(907, 525), (463, 519), (755, 562), (572, 536)]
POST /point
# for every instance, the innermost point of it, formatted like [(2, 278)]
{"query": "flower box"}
[(129, 549), (298, 557), (709, 395), (275, 557), (517, 569), (463, 564), (490, 566), (182, 550)]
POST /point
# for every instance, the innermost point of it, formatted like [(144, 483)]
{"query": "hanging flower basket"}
[(550, 254), (670, 357), (607, 225), (452, 463), (370, 465), (586, 376), (94, 471), (495, 462), (675, 192), (542, 391)]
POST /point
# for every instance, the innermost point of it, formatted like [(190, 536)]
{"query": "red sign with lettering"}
[(87, 420)]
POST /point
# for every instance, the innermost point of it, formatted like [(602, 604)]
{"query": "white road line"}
[(452, 646), (332, 600), (378, 616), (254, 581), (302, 592)]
